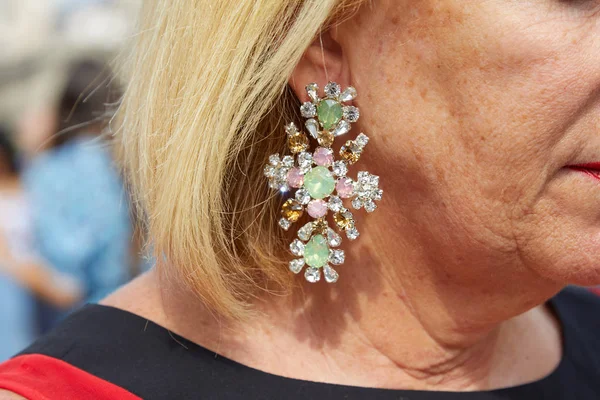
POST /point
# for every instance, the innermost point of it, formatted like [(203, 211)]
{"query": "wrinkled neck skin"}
[(391, 321)]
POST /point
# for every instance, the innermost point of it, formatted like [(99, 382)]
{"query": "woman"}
[(483, 126), (22, 272), (80, 212)]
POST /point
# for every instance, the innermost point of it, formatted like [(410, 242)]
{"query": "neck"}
[(400, 316), (417, 306), (369, 330), (378, 328)]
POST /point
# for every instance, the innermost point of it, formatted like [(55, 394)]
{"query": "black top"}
[(149, 361)]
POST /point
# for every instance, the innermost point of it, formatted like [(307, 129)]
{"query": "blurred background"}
[(66, 235)]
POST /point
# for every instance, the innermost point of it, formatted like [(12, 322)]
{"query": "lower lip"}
[(594, 173)]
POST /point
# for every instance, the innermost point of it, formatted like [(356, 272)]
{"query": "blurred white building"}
[(40, 38)]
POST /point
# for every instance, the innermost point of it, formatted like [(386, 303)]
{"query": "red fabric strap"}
[(38, 377)]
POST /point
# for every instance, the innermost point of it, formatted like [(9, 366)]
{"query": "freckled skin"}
[(474, 109)]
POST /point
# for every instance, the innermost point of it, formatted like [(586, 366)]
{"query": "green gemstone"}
[(319, 182), (316, 252), (329, 113)]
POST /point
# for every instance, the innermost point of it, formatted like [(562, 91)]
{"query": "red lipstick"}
[(591, 169)]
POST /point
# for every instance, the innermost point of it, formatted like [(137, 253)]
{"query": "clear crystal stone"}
[(312, 89), (291, 129), (297, 265), (285, 224), (348, 94), (306, 168), (308, 110), (333, 239), (348, 214), (305, 161), (367, 190), (277, 173), (288, 161), (357, 203), (342, 128), (302, 196), (335, 203), (370, 205), (274, 160), (297, 248), (305, 232), (284, 187), (332, 90), (373, 180), (281, 173), (351, 113), (337, 257), (273, 184), (312, 274), (362, 191), (331, 275), (340, 168), (269, 171), (362, 140), (352, 233), (378, 194), (312, 126)]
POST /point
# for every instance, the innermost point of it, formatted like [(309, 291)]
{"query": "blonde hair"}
[(205, 104)]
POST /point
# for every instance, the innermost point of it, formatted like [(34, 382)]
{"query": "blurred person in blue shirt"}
[(79, 207), (22, 272)]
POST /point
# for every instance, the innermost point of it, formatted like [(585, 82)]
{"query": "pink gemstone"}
[(344, 188), (317, 208), (295, 178), (323, 156)]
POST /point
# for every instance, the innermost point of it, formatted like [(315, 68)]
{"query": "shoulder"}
[(117, 350), (97, 348)]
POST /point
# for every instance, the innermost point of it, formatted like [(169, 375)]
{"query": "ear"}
[(323, 61)]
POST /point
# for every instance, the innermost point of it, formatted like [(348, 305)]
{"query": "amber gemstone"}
[(292, 210), (325, 138), (350, 152), (320, 226), (343, 219), (297, 142)]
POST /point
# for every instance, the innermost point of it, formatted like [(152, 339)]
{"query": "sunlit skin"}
[(474, 109)]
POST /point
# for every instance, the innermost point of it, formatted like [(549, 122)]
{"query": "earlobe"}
[(322, 62)]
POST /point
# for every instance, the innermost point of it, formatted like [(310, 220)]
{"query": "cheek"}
[(475, 122), (473, 83)]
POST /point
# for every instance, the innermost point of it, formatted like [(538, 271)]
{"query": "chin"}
[(575, 263), (564, 232), (584, 271)]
